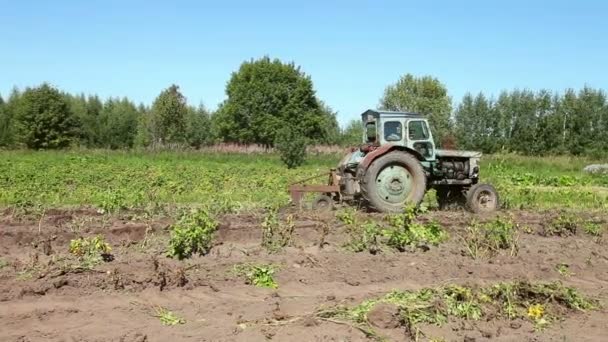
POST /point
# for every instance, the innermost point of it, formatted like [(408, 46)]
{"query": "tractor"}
[(396, 165)]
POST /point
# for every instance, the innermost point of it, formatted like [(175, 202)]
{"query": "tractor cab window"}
[(393, 131), (418, 130), (370, 132)]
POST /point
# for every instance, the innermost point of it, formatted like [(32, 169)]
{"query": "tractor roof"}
[(389, 114)]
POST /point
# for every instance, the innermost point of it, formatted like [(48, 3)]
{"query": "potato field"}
[(190, 246)]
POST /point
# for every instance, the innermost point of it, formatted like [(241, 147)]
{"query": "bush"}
[(193, 233), (292, 147)]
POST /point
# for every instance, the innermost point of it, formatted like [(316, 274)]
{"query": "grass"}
[(115, 180)]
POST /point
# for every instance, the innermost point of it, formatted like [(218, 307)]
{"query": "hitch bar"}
[(297, 189)]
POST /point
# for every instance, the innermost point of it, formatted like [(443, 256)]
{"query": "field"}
[(117, 246)]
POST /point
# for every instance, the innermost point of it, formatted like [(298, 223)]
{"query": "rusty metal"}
[(297, 189)]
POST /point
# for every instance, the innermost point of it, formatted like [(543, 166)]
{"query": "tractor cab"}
[(409, 130)]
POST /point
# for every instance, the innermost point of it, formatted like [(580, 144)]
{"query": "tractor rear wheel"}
[(392, 181), (482, 198)]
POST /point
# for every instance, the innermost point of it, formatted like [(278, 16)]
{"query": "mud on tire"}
[(371, 185)]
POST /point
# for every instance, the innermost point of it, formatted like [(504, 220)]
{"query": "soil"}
[(43, 300)]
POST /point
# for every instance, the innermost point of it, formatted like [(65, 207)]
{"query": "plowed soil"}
[(118, 299)]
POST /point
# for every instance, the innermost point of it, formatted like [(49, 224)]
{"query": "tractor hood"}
[(456, 153)]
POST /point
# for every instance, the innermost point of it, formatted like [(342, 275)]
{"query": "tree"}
[(117, 124), (198, 130), (352, 134), (424, 95), (44, 119), (266, 95), (168, 119), (292, 147)]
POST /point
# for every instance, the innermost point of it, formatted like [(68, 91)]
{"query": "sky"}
[(351, 49)]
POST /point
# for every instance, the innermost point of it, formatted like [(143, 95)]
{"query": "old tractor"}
[(396, 165)]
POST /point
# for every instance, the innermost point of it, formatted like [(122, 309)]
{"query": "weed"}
[(593, 229), (563, 269), (415, 234), (436, 306), (565, 224), (167, 317), (489, 238), (3, 263), (192, 234), (275, 234), (364, 237), (347, 216), (257, 275), (90, 251)]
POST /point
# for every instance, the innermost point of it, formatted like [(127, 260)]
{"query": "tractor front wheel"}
[(482, 198), (392, 181)]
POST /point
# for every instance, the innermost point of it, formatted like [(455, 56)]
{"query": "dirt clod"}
[(384, 316)]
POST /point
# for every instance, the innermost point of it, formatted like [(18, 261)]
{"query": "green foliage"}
[(425, 95), (198, 128), (440, 305), (91, 251), (169, 117), (276, 234), (593, 229), (534, 123), (257, 275), (3, 263), (167, 317), (43, 119), (365, 237), (487, 239), (565, 224), (404, 232), (192, 234), (291, 146), (266, 95)]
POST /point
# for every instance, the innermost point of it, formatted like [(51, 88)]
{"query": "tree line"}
[(273, 103)]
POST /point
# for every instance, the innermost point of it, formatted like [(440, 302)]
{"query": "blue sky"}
[(351, 49)]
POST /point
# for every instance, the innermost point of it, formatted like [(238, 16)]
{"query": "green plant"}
[(439, 305), (168, 317), (347, 215), (364, 237), (291, 146), (276, 234), (489, 238), (415, 234), (257, 275), (563, 269), (3, 263), (192, 234), (593, 229), (564, 224), (90, 251)]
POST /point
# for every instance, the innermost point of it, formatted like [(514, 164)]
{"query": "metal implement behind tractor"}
[(395, 166)]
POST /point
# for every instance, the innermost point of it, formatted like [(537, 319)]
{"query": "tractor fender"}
[(382, 150)]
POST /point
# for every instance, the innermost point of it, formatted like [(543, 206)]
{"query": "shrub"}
[(292, 147), (192, 234)]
